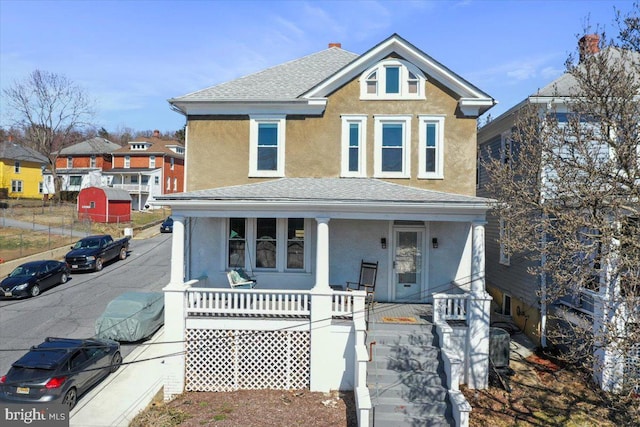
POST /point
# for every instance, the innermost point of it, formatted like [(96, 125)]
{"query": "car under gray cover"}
[(131, 317)]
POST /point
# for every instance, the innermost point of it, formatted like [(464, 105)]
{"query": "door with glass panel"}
[(407, 264)]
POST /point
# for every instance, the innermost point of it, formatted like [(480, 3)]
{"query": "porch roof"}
[(326, 195)]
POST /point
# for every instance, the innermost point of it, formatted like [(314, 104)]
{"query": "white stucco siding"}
[(207, 250), (350, 242), (452, 259)]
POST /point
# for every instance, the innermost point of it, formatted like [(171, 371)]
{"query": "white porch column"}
[(477, 257), (177, 251), (479, 315), (175, 314), (322, 255), (320, 327)]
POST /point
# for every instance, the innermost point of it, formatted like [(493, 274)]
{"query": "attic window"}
[(392, 79)]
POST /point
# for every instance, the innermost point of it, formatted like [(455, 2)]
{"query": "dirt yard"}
[(542, 394), (545, 394), (252, 408)]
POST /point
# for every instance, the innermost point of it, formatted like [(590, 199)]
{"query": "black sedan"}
[(167, 225), (29, 279), (59, 370)]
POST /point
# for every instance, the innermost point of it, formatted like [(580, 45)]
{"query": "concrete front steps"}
[(405, 377)]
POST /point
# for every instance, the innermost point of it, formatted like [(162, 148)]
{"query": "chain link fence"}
[(29, 230)]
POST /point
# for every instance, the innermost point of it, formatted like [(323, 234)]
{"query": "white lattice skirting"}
[(228, 360)]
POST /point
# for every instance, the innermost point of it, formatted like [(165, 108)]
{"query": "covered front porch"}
[(303, 240)]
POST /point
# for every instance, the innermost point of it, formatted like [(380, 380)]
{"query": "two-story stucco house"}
[(21, 171), (148, 167), (296, 174), (81, 165)]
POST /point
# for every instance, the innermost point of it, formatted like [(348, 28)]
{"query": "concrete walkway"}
[(122, 395)]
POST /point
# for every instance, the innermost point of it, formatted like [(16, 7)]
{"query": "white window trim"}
[(172, 163), (254, 122), (281, 247), (127, 162), (505, 139), (69, 162), (92, 161), (152, 162), (16, 166), (422, 141), (17, 186), (504, 258), (347, 120), (406, 146), (405, 67)]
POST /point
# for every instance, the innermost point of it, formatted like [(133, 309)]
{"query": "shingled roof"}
[(13, 151), (326, 189), (283, 82), (95, 145)]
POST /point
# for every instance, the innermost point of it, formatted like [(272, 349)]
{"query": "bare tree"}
[(52, 111), (569, 195)]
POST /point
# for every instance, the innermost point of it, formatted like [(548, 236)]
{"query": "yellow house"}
[(20, 171)]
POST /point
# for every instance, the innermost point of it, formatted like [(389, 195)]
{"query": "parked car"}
[(92, 252), (59, 370), (167, 225), (132, 316), (31, 278)]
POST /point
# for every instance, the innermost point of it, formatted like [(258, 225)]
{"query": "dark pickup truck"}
[(92, 252)]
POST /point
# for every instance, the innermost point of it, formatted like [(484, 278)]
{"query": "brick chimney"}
[(156, 133), (588, 45), (338, 45)]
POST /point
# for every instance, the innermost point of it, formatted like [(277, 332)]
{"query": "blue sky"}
[(131, 56)]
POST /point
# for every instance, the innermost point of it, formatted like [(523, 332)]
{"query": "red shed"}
[(104, 204)]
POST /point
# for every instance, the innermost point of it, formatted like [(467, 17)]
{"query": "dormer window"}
[(392, 79), (139, 146)]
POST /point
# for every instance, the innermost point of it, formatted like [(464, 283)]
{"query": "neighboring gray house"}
[(514, 290), (82, 165)]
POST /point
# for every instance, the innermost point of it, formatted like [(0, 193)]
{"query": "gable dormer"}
[(392, 78), (178, 149), (139, 145)]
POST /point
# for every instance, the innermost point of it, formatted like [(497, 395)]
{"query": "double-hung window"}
[(354, 129), (267, 244), (152, 162), (392, 146), (69, 162), (266, 149), (431, 140), (127, 162), (237, 242), (16, 186), (92, 161), (16, 166)]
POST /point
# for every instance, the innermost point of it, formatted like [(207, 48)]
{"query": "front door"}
[(407, 265)]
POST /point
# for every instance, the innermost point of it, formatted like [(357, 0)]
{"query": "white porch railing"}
[(450, 307), (258, 302), (132, 187)]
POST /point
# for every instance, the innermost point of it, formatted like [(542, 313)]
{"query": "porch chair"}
[(239, 279), (366, 282)]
